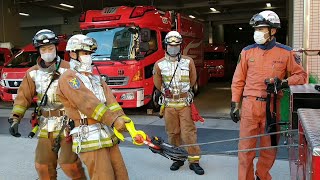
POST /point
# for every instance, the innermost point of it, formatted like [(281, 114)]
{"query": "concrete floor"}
[(214, 100)]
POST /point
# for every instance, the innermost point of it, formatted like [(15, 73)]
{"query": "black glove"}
[(14, 126), (280, 84), (235, 112)]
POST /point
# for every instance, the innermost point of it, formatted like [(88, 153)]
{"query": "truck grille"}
[(118, 81), (14, 83), (13, 91)]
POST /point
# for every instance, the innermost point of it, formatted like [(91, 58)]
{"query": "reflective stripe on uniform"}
[(114, 107), (193, 158), (44, 133), (99, 112), (185, 79), (167, 79), (176, 104), (95, 144), (20, 110)]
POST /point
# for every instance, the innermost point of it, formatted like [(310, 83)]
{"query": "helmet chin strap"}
[(269, 38), (77, 56)]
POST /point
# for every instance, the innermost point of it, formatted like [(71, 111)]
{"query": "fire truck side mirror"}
[(145, 35)]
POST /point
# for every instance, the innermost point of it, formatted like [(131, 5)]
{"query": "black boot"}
[(176, 165), (196, 168)]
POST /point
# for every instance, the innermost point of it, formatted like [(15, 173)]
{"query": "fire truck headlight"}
[(127, 96), (2, 83), (4, 75)]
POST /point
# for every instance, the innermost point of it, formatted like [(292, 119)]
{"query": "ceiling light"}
[(240, 28), (268, 4), (213, 9), (66, 5), (192, 16), (24, 14)]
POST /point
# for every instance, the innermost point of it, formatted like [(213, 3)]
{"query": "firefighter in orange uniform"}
[(36, 82), (91, 105), (257, 63), (174, 75)]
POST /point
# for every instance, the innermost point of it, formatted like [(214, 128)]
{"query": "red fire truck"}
[(5, 53), (215, 56), (14, 70), (130, 41)]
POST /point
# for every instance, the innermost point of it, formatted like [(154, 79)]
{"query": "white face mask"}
[(85, 63), (173, 50), (259, 37), (49, 57), (74, 64)]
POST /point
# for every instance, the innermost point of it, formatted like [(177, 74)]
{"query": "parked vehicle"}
[(215, 59), (5, 53)]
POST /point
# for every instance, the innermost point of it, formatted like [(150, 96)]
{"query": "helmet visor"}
[(173, 40), (258, 20), (92, 43), (44, 35)]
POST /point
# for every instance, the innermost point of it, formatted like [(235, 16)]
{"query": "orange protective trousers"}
[(181, 128), (105, 164), (253, 122), (46, 160)]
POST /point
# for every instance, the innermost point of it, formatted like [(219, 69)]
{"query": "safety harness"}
[(37, 109)]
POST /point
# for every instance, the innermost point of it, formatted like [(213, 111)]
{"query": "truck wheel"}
[(153, 104), (195, 88)]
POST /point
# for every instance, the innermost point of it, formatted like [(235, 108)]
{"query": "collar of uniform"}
[(268, 46), (169, 58)]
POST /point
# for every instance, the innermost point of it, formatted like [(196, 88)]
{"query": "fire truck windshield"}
[(113, 44), (23, 59)]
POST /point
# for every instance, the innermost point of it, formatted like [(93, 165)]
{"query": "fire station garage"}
[(248, 56)]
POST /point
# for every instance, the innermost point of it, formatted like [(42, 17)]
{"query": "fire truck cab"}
[(5, 53), (130, 41), (215, 56)]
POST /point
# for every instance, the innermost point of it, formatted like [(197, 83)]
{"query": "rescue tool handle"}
[(138, 137), (33, 132)]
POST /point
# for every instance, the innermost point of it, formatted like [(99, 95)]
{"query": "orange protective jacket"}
[(79, 98), (259, 62)]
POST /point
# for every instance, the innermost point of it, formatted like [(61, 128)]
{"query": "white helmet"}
[(173, 38), (265, 19), (80, 42)]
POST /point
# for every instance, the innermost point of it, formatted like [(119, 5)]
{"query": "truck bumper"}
[(129, 98), (6, 94)]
